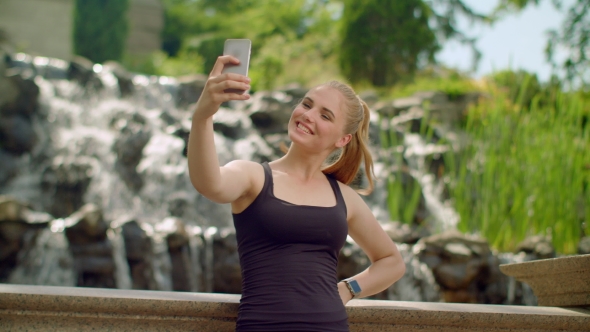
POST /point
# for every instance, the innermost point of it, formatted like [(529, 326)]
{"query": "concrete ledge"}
[(562, 281), (45, 308)]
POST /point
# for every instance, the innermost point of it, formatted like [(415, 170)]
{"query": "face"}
[(318, 121)]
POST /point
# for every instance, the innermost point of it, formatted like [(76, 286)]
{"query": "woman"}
[(292, 215)]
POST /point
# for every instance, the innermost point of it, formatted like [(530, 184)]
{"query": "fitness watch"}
[(353, 287)]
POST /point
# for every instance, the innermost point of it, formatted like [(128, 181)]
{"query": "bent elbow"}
[(398, 269), (401, 268)]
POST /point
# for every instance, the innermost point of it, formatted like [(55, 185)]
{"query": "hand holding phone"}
[(239, 48)]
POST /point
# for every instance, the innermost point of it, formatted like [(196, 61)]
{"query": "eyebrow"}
[(325, 109)]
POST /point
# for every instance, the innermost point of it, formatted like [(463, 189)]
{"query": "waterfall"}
[(122, 274), (45, 260)]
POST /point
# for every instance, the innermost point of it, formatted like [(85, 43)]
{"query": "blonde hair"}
[(348, 162)]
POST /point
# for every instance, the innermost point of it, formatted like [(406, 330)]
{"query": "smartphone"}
[(239, 48)]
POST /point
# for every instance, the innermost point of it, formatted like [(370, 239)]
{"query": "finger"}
[(230, 77), (222, 60), (229, 84), (238, 96)]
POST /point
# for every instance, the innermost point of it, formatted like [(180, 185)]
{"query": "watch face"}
[(355, 286)]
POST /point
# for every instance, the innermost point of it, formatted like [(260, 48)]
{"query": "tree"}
[(100, 29), (384, 41), (573, 37)]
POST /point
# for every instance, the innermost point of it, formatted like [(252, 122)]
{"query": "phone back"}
[(239, 48)]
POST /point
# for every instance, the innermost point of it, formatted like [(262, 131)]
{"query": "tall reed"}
[(525, 172)]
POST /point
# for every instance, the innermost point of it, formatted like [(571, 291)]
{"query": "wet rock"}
[(82, 71), (231, 123), (17, 134), (270, 111), (584, 246), (50, 68), (101, 265), (86, 231), (8, 88), (404, 233), (124, 77), (43, 260), (370, 97), (101, 248), (190, 89), (181, 132), (417, 283), (138, 248), (463, 266), (18, 228), (254, 148), (21, 96), (226, 263), (536, 247), (18, 103), (295, 91), (177, 239), (132, 138), (86, 226), (64, 183), (11, 209), (402, 104), (179, 203)]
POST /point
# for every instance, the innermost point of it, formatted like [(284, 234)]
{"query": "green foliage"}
[(283, 34), (525, 171), (100, 29), (453, 83), (161, 64), (403, 192), (383, 41)]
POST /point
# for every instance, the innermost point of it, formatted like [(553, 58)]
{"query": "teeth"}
[(303, 128)]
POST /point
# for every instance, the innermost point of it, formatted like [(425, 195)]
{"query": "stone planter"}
[(560, 282)]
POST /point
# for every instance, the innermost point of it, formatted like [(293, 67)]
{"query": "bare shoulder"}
[(355, 205), (251, 176), (243, 165), (250, 170)]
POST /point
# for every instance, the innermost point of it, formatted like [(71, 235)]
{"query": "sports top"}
[(288, 257)]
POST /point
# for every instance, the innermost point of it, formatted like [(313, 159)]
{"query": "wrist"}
[(353, 287), (345, 294)]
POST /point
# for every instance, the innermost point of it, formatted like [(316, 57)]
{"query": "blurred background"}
[(480, 133)]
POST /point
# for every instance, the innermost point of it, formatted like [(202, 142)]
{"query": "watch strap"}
[(353, 286)]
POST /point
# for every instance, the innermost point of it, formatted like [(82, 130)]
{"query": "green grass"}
[(525, 172)]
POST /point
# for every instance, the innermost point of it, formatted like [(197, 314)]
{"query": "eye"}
[(306, 105), (325, 117)]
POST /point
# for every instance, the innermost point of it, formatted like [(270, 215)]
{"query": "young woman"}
[(292, 215)]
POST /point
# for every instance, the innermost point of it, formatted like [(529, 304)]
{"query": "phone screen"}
[(239, 48)]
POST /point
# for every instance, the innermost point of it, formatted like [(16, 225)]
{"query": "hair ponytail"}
[(348, 163)]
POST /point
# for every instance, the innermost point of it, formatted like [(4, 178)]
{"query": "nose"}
[(307, 116)]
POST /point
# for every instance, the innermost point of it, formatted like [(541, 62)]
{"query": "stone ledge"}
[(559, 281), (45, 308)]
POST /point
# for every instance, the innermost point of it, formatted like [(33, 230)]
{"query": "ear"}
[(343, 141)]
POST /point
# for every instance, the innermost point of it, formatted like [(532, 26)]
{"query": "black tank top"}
[(288, 257)]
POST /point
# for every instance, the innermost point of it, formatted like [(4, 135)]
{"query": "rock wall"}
[(97, 194)]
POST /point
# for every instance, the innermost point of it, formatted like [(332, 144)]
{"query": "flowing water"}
[(87, 125)]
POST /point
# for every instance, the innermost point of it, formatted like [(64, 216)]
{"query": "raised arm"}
[(387, 265), (219, 184)]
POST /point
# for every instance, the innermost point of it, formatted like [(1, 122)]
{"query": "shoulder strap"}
[(267, 177), (336, 189)]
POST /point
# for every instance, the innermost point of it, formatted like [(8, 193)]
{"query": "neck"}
[(301, 164)]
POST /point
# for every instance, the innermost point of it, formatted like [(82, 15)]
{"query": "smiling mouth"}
[(303, 128)]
